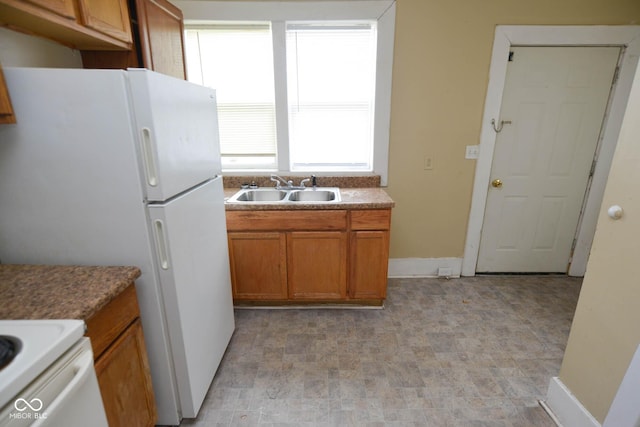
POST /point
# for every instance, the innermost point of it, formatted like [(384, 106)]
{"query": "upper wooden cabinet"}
[(108, 17), (61, 7), (158, 32), (80, 24), (161, 30), (6, 110)]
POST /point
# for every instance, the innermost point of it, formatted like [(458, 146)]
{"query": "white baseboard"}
[(566, 408), (425, 267)]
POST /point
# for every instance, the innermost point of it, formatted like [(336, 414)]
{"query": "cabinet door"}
[(125, 382), (78, 24), (161, 37), (258, 265), (317, 265), (61, 7), (108, 17), (369, 259)]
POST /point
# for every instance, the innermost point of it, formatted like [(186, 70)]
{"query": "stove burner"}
[(9, 348)]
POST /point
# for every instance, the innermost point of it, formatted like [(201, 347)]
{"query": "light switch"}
[(472, 152), (428, 163)]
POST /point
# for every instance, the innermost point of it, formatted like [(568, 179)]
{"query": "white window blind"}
[(237, 61), (331, 95)]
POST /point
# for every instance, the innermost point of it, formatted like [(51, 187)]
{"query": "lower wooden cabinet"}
[(122, 373), (369, 253), (369, 260), (258, 265), (309, 256), (121, 363), (317, 265)]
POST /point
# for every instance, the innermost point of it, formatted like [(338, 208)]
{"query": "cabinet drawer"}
[(371, 219), (286, 220), (105, 326)]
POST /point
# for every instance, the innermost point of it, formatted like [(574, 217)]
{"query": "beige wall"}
[(440, 75), (21, 50), (605, 331)]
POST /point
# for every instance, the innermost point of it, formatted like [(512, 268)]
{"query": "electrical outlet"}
[(428, 163), (445, 272), (472, 152)]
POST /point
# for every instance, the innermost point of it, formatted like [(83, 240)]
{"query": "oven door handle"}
[(83, 371)]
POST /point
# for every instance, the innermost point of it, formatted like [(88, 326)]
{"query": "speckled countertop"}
[(351, 198), (59, 292)]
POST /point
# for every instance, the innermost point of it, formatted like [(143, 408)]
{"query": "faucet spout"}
[(279, 180)]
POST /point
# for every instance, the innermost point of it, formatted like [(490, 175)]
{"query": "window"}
[(331, 96), (237, 60), (295, 92)]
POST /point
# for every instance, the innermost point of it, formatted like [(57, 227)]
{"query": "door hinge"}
[(510, 56), (616, 74), (593, 168)]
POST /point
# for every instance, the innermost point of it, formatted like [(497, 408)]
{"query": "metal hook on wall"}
[(502, 123)]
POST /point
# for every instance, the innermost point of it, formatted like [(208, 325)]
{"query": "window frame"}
[(279, 12)]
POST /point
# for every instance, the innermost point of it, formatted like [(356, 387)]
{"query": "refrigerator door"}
[(191, 249), (177, 126)]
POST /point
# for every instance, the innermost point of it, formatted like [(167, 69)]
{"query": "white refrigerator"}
[(113, 167)]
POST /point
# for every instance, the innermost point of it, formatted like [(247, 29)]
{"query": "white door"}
[(193, 260), (555, 99)]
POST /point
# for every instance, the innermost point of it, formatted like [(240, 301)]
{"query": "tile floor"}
[(463, 352)]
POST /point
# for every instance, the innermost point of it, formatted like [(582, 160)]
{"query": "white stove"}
[(49, 379)]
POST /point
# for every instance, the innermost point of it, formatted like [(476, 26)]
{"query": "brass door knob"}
[(496, 183)]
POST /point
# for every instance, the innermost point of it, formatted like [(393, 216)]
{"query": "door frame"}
[(624, 36)]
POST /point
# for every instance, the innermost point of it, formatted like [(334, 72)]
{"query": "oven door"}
[(64, 395)]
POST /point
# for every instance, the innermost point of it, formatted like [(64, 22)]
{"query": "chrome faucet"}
[(279, 180), (304, 181), (312, 179), (289, 184)]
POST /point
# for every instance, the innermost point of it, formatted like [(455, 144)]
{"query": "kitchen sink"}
[(274, 195), (259, 195), (313, 195)]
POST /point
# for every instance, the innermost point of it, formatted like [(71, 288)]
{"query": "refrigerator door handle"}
[(161, 243), (147, 155)]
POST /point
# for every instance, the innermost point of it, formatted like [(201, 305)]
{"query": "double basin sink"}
[(285, 195)]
